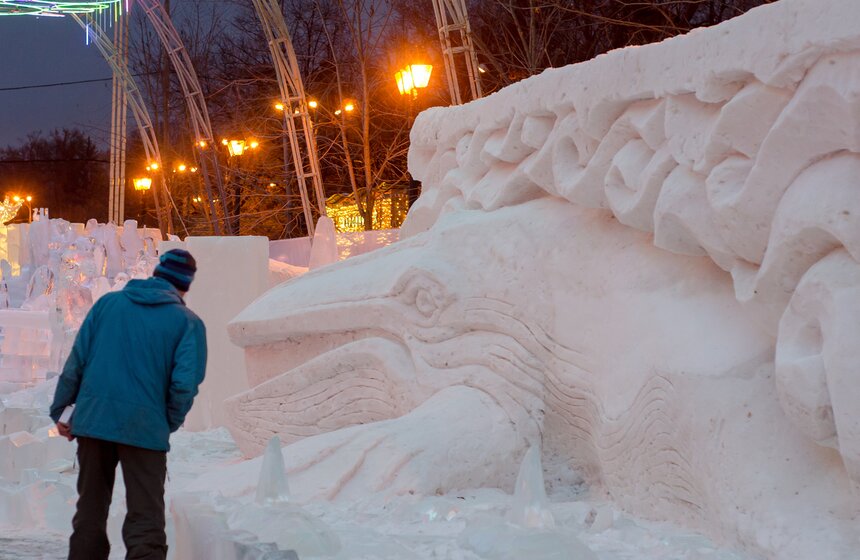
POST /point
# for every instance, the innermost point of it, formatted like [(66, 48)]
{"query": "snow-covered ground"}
[(462, 525)]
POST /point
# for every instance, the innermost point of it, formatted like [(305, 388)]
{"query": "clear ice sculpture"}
[(120, 281), (39, 289), (72, 302), (272, 487), (529, 509), (115, 261), (6, 270), (130, 240)]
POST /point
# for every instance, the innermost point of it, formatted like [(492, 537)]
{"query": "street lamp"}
[(413, 77), (236, 147), (142, 184)]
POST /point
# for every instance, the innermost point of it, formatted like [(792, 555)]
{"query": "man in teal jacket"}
[(132, 375)]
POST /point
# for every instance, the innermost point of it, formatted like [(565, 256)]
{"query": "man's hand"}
[(65, 431)]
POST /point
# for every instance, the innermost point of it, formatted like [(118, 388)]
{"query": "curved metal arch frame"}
[(296, 115), (197, 111), (452, 16), (138, 109)]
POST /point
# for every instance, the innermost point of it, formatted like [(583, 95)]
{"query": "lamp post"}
[(236, 148), (141, 185), (409, 80)]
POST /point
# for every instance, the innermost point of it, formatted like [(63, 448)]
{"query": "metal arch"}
[(138, 109), (118, 131), (296, 115), (198, 113), (452, 17)]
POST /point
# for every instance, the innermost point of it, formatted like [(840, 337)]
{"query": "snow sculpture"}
[(39, 289), (648, 264)]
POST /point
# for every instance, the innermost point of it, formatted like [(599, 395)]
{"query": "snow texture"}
[(647, 264)]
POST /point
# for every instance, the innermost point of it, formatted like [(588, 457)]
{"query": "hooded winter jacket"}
[(135, 366)]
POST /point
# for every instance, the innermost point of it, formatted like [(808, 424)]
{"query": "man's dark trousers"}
[(143, 471)]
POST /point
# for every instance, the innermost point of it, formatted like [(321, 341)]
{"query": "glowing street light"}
[(279, 106), (349, 107), (181, 168), (236, 147), (254, 144), (313, 104), (413, 77), (26, 200), (142, 184)]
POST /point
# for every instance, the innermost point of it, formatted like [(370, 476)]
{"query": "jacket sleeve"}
[(189, 368), (69, 382)]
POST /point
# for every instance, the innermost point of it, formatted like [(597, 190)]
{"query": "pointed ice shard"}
[(324, 247), (530, 504), (272, 486)]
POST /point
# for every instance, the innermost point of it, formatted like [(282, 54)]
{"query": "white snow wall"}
[(739, 142)]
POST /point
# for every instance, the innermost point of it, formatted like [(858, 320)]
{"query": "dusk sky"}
[(36, 51)]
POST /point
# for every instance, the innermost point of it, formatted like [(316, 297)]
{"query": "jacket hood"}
[(152, 291)]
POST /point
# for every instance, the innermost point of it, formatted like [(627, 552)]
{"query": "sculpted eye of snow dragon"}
[(648, 263)]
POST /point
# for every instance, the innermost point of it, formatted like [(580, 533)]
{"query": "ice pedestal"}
[(202, 531), (41, 504), (25, 345), (22, 451), (231, 273), (270, 527)]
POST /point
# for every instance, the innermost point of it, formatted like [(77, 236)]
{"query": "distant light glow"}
[(9, 208)]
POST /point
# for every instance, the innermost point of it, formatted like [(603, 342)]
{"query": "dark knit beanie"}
[(177, 266)]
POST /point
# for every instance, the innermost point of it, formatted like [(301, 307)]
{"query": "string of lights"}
[(56, 9)]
